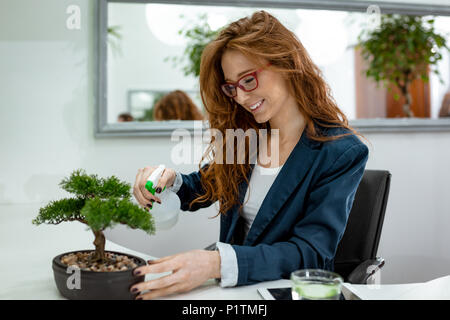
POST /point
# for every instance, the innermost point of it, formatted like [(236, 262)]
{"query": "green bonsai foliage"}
[(99, 203), (401, 50)]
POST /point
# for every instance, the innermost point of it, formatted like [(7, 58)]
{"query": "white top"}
[(260, 182)]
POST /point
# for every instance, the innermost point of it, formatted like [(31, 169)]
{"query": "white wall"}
[(429, 2), (47, 129)]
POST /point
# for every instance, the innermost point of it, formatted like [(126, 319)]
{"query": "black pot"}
[(93, 285)]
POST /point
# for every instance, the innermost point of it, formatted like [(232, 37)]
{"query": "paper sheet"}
[(437, 289)]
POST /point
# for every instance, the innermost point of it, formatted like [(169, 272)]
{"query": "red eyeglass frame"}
[(237, 85)]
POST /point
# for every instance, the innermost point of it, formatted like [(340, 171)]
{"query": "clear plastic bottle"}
[(165, 214)]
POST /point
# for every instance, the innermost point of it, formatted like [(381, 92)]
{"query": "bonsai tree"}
[(98, 203), (400, 50)]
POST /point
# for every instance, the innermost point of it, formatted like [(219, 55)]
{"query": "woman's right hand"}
[(142, 195)]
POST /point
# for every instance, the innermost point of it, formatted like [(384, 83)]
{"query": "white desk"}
[(26, 253)]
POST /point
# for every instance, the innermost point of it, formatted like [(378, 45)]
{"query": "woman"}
[(257, 75), (176, 105)]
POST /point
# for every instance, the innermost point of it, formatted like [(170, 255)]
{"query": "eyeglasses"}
[(247, 83)]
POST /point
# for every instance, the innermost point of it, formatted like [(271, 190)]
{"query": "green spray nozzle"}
[(149, 187), (152, 181)]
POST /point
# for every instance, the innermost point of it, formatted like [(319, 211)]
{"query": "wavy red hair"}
[(262, 39)]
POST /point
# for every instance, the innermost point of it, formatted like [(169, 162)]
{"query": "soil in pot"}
[(111, 280), (83, 260)]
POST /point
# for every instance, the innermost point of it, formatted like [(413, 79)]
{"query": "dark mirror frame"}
[(165, 128)]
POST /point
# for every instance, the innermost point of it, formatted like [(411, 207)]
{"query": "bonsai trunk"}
[(99, 243), (407, 106)]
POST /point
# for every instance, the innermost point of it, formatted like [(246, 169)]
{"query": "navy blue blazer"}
[(304, 214)]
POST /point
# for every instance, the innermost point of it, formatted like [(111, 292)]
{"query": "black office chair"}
[(356, 256)]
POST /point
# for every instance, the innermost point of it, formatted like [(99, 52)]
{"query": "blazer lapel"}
[(290, 175)]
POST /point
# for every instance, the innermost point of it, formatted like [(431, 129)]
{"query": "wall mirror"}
[(143, 59)]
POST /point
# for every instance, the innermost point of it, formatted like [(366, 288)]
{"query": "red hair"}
[(176, 105)]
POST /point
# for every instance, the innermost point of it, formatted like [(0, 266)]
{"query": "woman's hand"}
[(189, 270), (142, 195)]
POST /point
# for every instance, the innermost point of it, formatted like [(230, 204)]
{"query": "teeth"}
[(256, 105)]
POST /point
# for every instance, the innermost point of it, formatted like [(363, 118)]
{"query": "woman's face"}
[(272, 88)]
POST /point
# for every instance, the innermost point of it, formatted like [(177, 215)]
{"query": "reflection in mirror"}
[(157, 105), (157, 49)]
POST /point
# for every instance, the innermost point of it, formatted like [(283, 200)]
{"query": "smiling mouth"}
[(256, 106)]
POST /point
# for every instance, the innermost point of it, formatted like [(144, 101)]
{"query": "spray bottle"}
[(166, 213)]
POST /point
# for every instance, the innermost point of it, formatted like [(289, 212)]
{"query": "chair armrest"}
[(365, 270), (211, 247)]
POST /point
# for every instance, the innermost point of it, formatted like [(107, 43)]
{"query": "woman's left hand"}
[(189, 270)]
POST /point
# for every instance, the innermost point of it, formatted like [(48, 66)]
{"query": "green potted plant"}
[(99, 203), (400, 50), (198, 36)]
